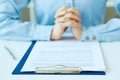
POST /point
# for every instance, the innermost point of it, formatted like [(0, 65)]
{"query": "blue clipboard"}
[(17, 70)]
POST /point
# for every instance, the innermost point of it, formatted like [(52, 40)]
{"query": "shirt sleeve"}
[(11, 28), (106, 32)]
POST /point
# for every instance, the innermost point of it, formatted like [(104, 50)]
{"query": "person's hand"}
[(66, 17), (60, 25), (70, 18), (73, 20)]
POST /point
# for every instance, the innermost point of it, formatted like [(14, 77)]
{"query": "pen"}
[(10, 52)]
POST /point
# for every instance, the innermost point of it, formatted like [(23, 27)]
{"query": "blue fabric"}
[(92, 16)]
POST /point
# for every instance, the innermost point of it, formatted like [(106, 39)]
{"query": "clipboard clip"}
[(58, 69)]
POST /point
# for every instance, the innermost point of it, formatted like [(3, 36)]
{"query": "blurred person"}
[(83, 18)]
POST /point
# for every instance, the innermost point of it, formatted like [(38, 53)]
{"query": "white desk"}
[(111, 53)]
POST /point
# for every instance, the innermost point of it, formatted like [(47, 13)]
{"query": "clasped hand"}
[(66, 17)]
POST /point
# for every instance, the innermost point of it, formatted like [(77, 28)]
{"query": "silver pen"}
[(13, 56)]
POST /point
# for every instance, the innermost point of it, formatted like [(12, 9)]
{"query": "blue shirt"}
[(92, 16)]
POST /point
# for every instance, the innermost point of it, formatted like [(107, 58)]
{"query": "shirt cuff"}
[(43, 33), (90, 34)]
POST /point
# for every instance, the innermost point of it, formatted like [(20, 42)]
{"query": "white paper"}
[(70, 53)]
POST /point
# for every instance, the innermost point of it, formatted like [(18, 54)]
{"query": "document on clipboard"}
[(65, 56)]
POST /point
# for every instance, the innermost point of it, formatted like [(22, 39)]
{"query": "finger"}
[(62, 20), (61, 9), (60, 14), (72, 17), (67, 24), (72, 23), (63, 24), (74, 11)]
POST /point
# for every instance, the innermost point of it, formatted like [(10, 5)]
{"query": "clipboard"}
[(17, 70)]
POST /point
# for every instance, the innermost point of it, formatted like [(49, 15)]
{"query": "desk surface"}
[(111, 53)]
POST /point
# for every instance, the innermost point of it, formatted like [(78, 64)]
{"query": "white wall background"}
[(28, 13)]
